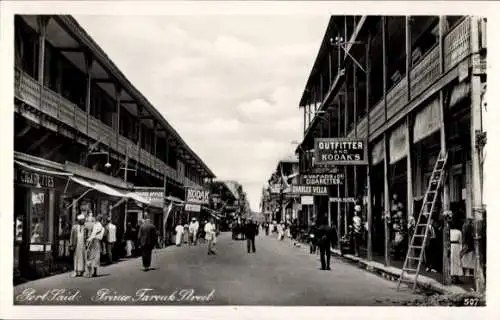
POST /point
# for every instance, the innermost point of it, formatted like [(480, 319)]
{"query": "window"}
[(39, 200)]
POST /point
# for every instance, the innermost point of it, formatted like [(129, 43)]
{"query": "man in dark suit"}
[(325, 239), (250, 233), (147, 241)]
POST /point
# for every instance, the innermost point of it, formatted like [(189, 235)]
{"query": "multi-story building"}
[(412, 87), (84, 138), (277, 201)]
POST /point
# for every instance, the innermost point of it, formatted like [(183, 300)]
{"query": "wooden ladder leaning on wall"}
[(419, 238)]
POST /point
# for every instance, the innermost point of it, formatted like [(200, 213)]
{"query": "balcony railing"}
[(56, 106), (422, 76)]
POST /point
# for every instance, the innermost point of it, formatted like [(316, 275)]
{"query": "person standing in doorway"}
[(467, 255), (250, 232), (210, 236), (456, 270), (357, 225), (147, 241), (111, 239), (77, 246), (325, 240)]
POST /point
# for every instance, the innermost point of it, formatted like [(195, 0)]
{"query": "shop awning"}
[(138, 198), (174, 199), (42, 170), (99, 187)]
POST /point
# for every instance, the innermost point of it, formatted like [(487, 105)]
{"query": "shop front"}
[(37, 192), (377, 190)]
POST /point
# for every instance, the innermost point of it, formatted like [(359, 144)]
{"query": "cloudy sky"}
[(230, 85)]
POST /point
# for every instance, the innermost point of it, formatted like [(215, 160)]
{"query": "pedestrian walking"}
[(147, 241), (281, 231), (130, 236), (325, 240), (193, 231), (312, 239), (179, 231), (94, 246), (110, 239), (77, 246), (250, 232), (210, 236)]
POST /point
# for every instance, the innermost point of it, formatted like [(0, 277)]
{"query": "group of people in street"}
[(193, 233), (89, 239)]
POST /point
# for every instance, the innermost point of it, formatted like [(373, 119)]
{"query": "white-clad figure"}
[(179, 231)]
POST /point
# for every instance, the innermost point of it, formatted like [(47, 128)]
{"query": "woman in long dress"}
[(179, 231), (77, 245), (456, 246), (94, 247)]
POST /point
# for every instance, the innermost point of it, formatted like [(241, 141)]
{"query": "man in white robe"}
[(179, 231), (77, 246)]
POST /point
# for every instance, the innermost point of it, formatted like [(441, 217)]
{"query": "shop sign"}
[(306, 190), (427, 121), (33, 178), (343, 200), (197, 196), (307, 200), (398, 144), (340, 151), (153, 195), (325, 179), (192, 207)]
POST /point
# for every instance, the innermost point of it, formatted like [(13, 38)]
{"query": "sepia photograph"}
[(321, 159)]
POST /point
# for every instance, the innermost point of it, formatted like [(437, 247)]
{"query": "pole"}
[(125, 175), (369, 208), (445, 193), (386, 149), (476, 152)]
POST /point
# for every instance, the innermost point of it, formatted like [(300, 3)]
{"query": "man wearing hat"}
[(77, 246), (357, 224)]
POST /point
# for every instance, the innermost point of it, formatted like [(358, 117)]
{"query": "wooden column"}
[(305, 120), (369, 207), (409, 124), (346, 171), (155, 138), (43, 21), (446, 190), (330, 73), (387, 199), (355, 121), (88, 67), (408, 55), (118, 92), (339, 217), (139, 135)]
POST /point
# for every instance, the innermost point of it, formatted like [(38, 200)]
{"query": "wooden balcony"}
[(57, 107), (422, 76)]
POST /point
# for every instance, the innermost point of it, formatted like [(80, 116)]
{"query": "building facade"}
[(86, 141), (412, 87)]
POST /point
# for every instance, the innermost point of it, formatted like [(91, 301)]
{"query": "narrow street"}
[(278, 274)]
